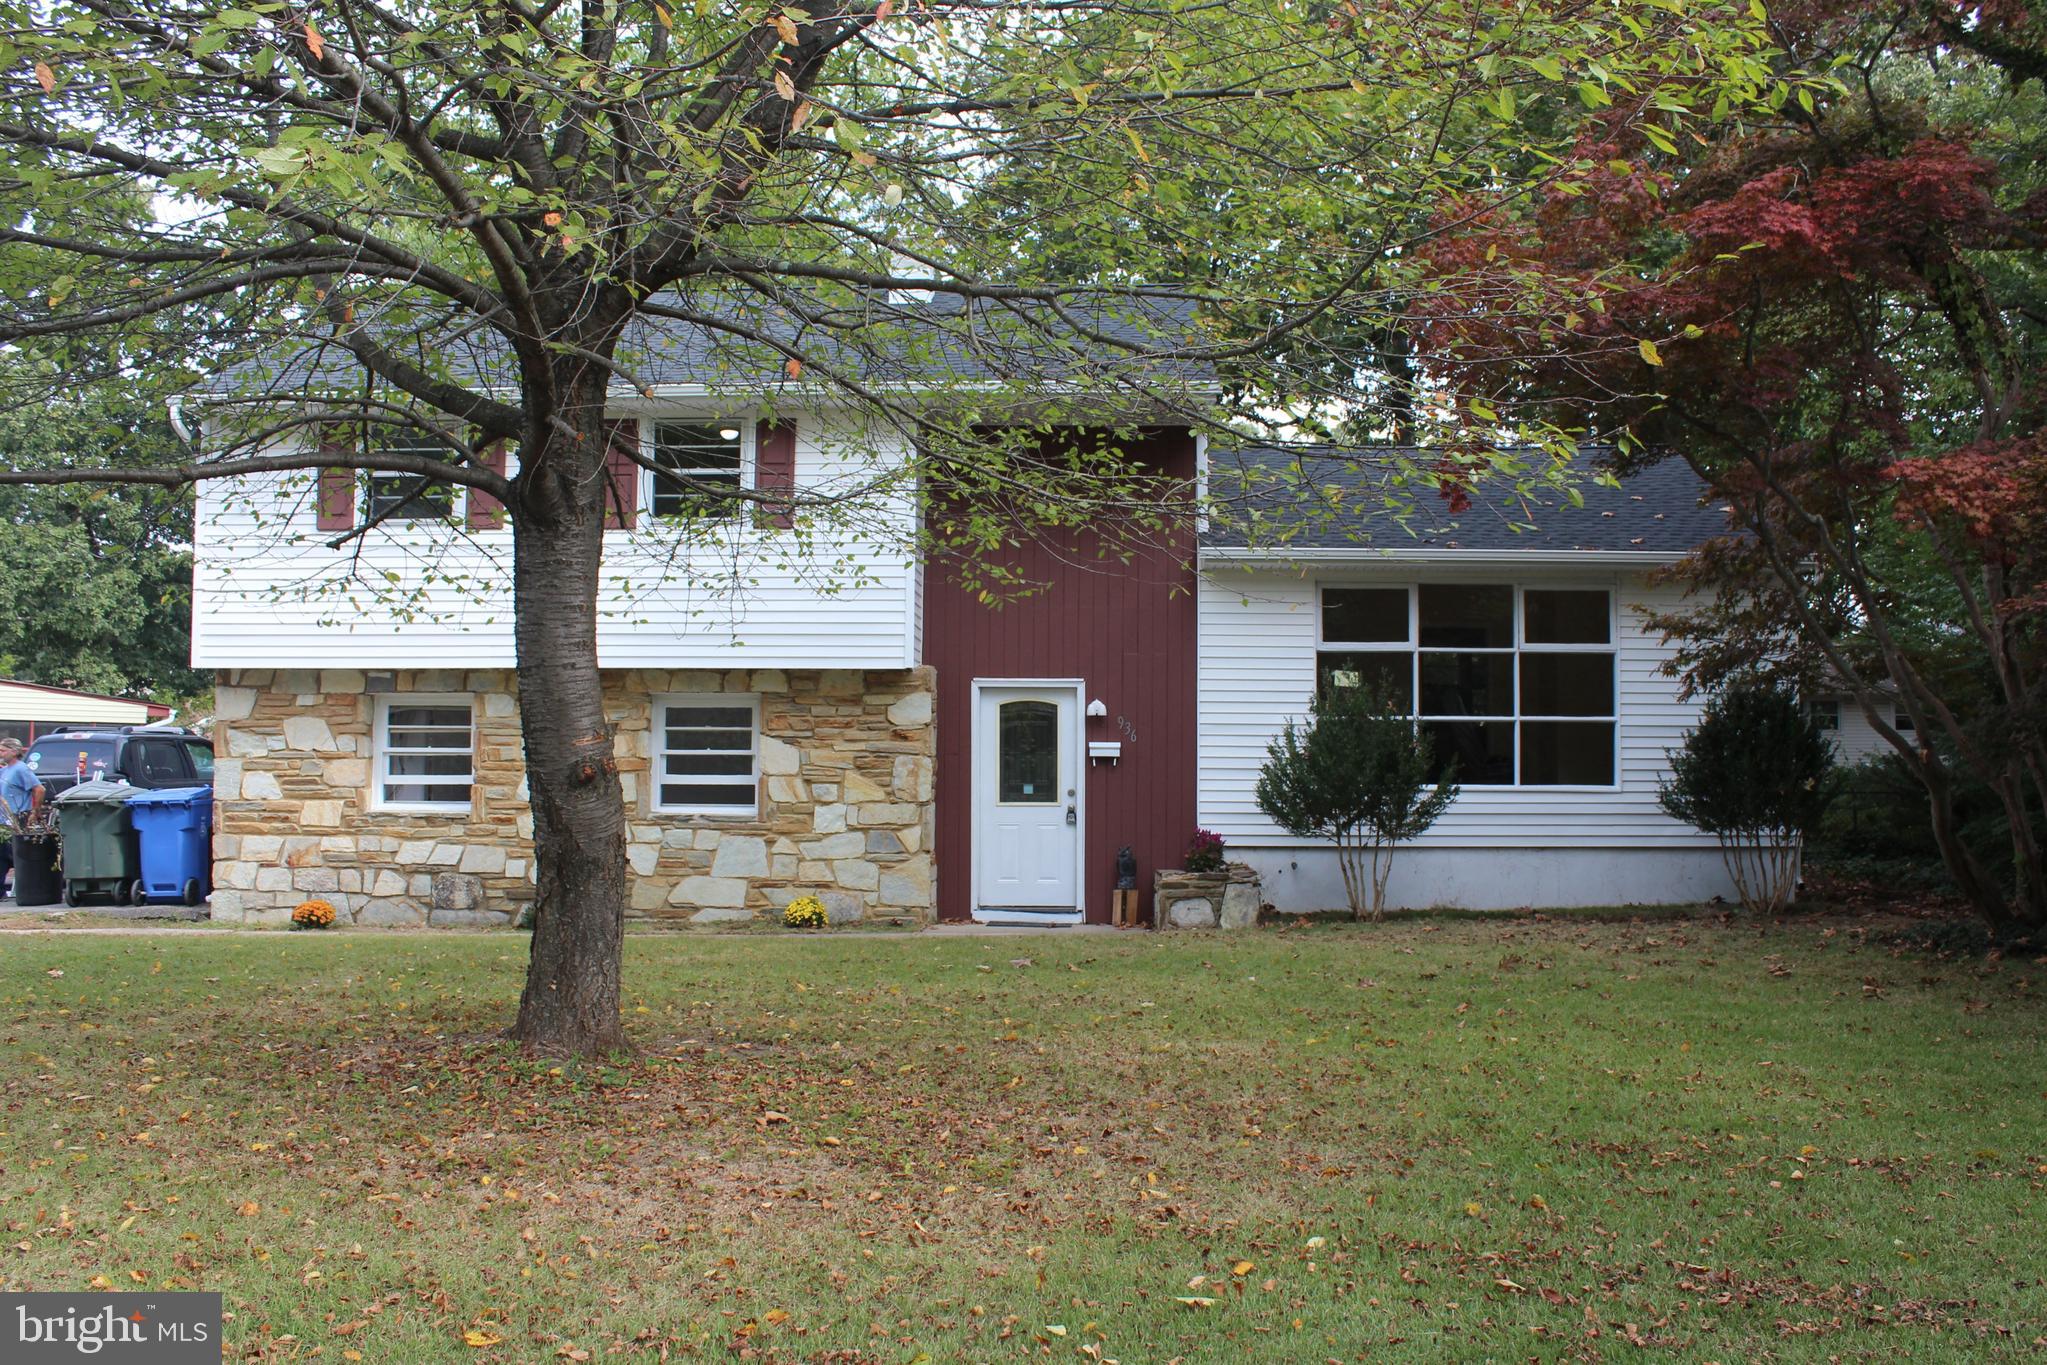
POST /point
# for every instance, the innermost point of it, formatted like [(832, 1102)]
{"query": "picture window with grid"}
[(1512, 686)]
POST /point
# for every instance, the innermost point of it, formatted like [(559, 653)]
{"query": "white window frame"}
[(649, 443), (1414, 649), (380, 753), (659, 753)]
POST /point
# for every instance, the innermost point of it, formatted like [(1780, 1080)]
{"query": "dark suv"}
[(140, 755)]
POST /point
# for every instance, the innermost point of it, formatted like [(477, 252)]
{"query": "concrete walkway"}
[(138, 912)]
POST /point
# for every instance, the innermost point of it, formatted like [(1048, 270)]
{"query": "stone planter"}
[(1228, 899)]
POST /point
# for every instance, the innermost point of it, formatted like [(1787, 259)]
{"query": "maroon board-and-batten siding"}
[(1127, 628)]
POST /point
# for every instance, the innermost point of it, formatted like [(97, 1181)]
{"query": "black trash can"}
[(36, 879), (99, 844)]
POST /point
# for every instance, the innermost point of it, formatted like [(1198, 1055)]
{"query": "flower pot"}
[(36, 879)]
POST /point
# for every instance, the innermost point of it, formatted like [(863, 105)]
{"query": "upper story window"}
[(405, 497), (1825, 713), (1512, 686), (425, 753), (699, 466)]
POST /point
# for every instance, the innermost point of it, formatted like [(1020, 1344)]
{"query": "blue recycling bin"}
[(174, 830)]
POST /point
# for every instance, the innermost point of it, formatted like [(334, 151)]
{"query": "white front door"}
[(1027, 797)]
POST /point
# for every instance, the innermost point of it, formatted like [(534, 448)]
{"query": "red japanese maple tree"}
[(1833, 314)]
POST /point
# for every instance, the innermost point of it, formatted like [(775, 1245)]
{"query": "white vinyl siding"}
[(50, 706), (707, 754), (1258, 650), (1855, 740), (267, 591), (425, 753)]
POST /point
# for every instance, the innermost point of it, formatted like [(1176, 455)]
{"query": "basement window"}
[(707, 759), (425, 753)]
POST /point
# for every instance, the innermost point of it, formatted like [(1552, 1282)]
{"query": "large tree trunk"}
[(1977, 884), (571, 1001)]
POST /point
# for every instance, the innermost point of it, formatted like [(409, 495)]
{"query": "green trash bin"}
[(99, 844)]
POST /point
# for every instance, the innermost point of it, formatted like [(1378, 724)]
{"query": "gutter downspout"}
[(176, 409)]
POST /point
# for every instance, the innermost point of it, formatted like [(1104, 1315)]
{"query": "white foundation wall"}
[(1300, 880)]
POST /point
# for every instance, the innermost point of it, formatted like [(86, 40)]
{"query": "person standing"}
[(24, 794)]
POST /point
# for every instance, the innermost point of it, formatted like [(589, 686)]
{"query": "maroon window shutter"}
[(622, 473), (486, 513), (774, 468), (334, 499)]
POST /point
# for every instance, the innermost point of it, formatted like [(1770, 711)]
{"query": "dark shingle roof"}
[(1322, 498), (938, 341)]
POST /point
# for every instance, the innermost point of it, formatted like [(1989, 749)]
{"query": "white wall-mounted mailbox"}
[(1104, 750)]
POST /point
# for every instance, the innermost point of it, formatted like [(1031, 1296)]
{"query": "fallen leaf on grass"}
[(479, 1338), (1242, 1268), (1195, 1301)]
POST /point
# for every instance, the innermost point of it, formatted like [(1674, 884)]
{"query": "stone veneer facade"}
[(844, 812)]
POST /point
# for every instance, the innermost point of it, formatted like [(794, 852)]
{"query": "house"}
[(1848, 726), (874, 731), (31, 709), (1515, 628)]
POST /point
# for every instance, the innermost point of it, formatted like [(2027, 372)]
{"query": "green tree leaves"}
[(95, 582)]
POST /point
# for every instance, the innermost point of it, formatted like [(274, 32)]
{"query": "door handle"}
[(1072, 816)]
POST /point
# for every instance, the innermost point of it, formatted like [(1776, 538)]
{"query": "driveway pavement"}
[(141, 912)]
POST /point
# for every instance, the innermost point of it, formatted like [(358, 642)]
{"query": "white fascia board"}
[(1340, 554)]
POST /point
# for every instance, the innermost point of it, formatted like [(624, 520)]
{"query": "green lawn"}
[(1422, 1140)]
